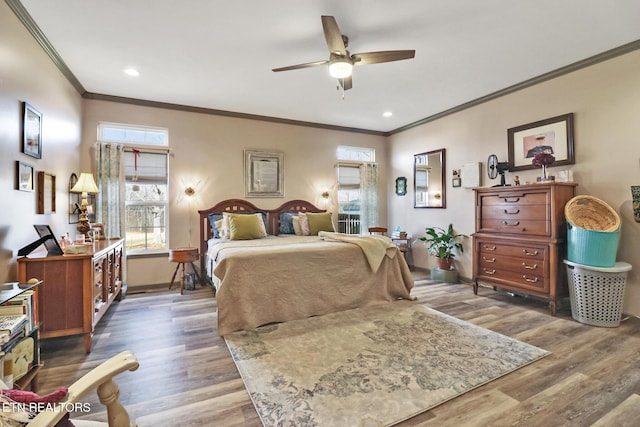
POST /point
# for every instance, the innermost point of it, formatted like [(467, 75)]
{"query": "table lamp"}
[(85, 185)]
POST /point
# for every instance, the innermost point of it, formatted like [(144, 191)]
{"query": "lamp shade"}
[(85, 184)]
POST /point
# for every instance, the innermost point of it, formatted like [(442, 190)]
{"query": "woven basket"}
[(591, 213)]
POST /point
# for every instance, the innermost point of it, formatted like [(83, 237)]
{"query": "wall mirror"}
[(429, 179)]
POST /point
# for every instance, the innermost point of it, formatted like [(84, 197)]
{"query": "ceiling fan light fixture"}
[(340, 68)]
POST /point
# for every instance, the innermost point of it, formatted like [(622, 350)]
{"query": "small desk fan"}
[(494, 167)]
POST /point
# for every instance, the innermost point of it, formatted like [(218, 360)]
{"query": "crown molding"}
[(39, 36)]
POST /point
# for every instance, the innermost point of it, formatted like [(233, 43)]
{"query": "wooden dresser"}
[(520, 237), (76, 289)]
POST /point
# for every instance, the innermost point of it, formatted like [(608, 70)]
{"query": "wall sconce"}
[(325, 194), (189, 191)]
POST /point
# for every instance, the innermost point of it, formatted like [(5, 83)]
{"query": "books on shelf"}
[(25, 303), (10, 324), (397, 234)]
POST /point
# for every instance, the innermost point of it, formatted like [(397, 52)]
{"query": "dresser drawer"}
[(531, 282), (489, 249), (516, 212), (514, 198), (515, 264), (516, 226), (98, 276)]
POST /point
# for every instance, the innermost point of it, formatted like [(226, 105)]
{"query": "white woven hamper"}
[(597, 293)]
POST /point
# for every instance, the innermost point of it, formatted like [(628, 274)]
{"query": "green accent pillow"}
[(244, 227), (319, 222)]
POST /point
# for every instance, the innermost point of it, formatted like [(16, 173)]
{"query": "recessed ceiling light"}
[(387, 114), (132, 72)]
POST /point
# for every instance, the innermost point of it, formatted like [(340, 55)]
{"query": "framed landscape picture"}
[(31, 131)]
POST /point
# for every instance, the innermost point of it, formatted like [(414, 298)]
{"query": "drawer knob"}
[(99, 284), (534, 280), (489, 260), (527, 252), (491, 272), (489, 248), (529, 267), (513, 212), (511, 223)]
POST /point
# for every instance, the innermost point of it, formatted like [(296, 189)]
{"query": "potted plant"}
[(442, 243)]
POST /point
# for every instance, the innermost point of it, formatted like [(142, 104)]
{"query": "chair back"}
[(378, 230)]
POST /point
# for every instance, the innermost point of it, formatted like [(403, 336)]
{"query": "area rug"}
[(371, 366)]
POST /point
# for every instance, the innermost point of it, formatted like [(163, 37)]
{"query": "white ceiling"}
[(219, 54)]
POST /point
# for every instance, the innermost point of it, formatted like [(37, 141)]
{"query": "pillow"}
[(223, 233), (213, 218), (319, 222), (286, 223), (295, 220), (304, 224), (246, 227), (34, 402), (260, 218)]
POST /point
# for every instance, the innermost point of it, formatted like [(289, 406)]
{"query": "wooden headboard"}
[(244, 206)]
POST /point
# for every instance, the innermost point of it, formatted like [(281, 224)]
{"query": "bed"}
[(284, 276)]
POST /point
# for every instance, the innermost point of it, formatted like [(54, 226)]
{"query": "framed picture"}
[(31, 131), (46, 193), (554, 136), (24, 176), (401, 186), (263, 174), (52, 245), (456, 182), (97, 231)]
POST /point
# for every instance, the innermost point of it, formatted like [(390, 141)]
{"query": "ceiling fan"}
[(341, 61)]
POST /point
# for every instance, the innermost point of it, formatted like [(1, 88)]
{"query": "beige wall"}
[(208, 152), (606, 101), (27, 74)]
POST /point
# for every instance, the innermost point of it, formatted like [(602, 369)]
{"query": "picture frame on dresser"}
[(553, 135)]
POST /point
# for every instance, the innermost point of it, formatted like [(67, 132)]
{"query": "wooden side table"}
[(182, 256), (404, 244)]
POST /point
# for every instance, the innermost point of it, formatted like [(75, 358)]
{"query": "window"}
[(350, 185), (132, 134), (146, 182), (146, 201)]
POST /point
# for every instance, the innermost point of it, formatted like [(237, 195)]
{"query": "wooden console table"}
[(77, 289)]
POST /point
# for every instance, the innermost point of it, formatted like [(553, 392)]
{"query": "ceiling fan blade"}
[(299, 66), (381, 56), (346, 83), (333, 35)]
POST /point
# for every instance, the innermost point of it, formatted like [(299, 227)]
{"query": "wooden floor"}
[(187, 377)]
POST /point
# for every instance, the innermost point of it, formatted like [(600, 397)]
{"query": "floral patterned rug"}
[(372, 366)]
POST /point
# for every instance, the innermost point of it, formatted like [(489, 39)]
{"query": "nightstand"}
[(404, 244)]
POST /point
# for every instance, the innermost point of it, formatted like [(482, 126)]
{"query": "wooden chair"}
[(378, 230), (100, 378)]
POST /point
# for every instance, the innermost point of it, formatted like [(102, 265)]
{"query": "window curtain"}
[(369, 196), (109, 207)]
